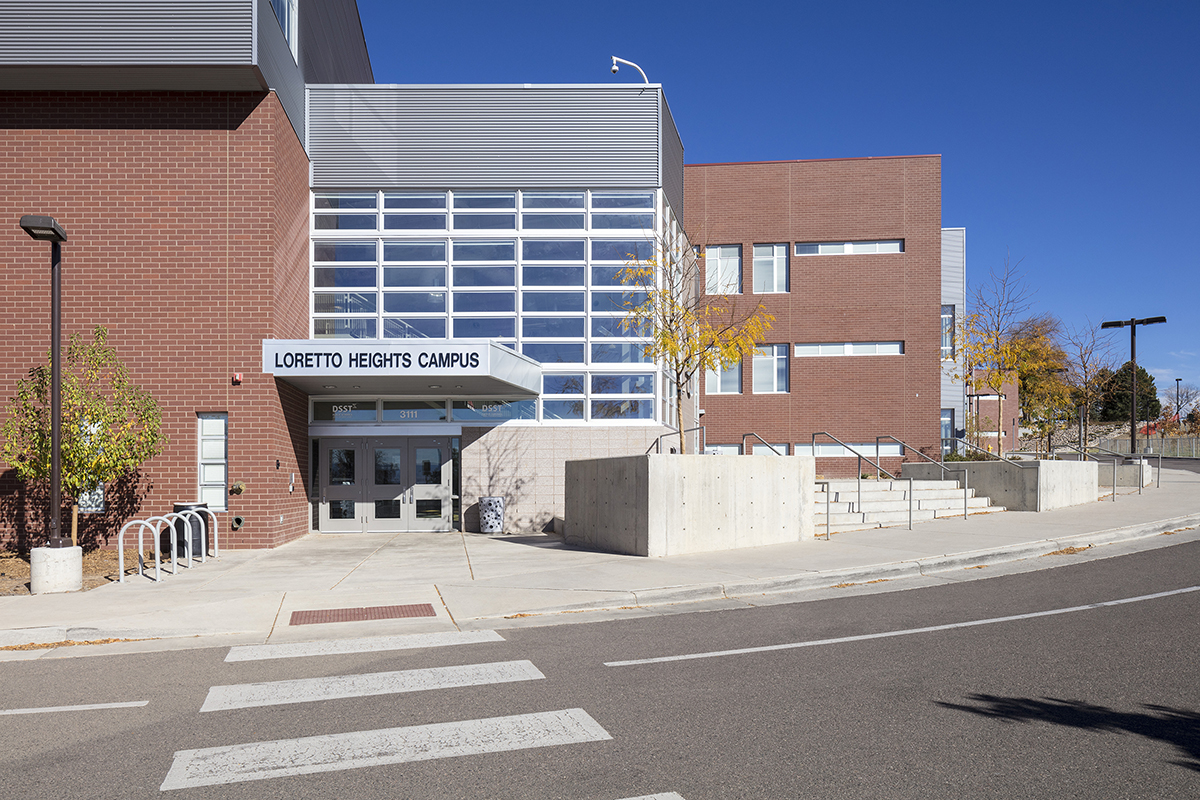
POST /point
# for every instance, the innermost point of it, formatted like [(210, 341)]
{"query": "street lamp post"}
[(1132, 325), (47, 229), (1178, 407)]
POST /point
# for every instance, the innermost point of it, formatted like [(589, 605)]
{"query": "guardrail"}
[(155, 527)]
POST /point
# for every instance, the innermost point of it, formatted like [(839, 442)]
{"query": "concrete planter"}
[(55, 569), (660, 505)]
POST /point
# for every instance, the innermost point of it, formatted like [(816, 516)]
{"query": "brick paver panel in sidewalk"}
[(360, 614)]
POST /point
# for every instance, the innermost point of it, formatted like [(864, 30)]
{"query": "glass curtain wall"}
[(535, 270)]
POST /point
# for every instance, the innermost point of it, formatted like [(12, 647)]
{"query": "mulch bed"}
[(99, 568)]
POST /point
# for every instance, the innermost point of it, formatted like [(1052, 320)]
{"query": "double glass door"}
[(396, 483)]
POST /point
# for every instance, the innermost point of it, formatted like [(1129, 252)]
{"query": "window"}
[(850, 349), (771, 369), (770, 268), (947, 332), (722, 450), (537, 270), (213, 464), (760, 449), (285, 12), (723, 269), (852, 450), (849, 248), (724, 381), (948, 430)]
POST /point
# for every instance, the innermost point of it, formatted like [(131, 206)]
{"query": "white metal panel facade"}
[(484, 136), (110, 32), (954, 292), (279, 67)]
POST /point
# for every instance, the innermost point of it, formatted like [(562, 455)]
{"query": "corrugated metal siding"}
[(672, 162), (954, 266), (279, 68), (332, 47), (954, 292), (447, 136), (127, 32)]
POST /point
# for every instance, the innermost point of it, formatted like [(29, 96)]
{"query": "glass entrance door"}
[(342, 479), (386, 484), (430, 508)]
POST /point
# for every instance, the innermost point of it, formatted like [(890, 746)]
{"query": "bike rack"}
[(155, 525)]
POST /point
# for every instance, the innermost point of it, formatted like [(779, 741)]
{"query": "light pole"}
[(1132, 325), (47, 229)]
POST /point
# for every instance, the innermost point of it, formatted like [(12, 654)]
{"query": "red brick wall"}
[(188, 233), (986, 412), (846, 298)]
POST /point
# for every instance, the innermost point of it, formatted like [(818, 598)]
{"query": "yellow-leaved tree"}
[(998, 343), (689, 332), (109, 425)]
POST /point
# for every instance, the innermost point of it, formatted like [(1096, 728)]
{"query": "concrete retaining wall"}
[(1128, 474), (1034, 486), (660, 505)]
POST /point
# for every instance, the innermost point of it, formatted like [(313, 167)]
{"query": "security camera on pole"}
[(58, 567)]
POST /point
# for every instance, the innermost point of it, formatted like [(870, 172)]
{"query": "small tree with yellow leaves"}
[(997, 342), (109, 425), (689, 332)]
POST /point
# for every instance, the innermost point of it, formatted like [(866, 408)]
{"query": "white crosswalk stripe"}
[(87, 707), (307, 690), (327, 753), (374, 644)]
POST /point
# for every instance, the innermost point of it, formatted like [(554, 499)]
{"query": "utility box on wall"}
[(661, 505)]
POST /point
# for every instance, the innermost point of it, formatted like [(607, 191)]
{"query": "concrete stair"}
[(884, 503)]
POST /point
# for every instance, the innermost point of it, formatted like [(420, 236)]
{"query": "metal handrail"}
[(656, 445), (1123, 456), (764, 441), (904, 445), (828, 492), (858, 469), (991, 456)]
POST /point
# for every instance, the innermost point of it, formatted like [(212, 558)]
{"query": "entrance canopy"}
[(417, 367)]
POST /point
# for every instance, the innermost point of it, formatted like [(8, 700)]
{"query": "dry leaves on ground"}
[(99, 568)]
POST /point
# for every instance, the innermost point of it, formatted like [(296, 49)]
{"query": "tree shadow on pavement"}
[(1175, 726)]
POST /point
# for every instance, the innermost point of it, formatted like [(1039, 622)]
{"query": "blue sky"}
[(1069, 131)]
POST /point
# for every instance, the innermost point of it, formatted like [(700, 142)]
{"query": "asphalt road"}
[(1101, 702)]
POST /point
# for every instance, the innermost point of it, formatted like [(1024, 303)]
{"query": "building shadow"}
[(1175, 726), (23, 507)]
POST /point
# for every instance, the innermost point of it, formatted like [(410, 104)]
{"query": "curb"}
[(696, 593)]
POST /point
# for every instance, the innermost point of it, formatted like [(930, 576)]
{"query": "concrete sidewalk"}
[(472, 581)]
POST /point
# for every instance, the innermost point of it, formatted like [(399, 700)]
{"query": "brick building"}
[(365, 307), (850, 258)]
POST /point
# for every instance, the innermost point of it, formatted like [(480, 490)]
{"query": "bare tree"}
[(1090, 360), (991, 337), (1180, 398)]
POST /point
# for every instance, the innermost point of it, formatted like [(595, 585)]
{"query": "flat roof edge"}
[(432, 86), (810, 160)]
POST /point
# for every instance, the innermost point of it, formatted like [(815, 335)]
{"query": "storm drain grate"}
[(360, 614)]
